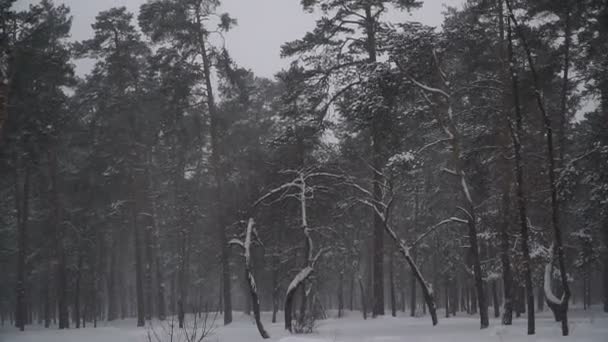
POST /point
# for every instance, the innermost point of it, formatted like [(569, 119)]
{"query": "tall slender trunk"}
[(22, 209), (563, 118), (413, 295), (340, 294), (351, 292), (77, 290), (56, 219), (446, 295), (159, 277), (392, 282), (112, 313), (275, 281), (376, 136), (517, 134), (605, 271), (363, 299), (137, 250), (603, 86), (47, 293), (148, 232), (507, 275), (218, 174)]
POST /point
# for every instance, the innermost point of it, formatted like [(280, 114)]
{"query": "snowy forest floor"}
[(590, 325)]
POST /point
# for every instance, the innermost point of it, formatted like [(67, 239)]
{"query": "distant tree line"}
[(392, 165)]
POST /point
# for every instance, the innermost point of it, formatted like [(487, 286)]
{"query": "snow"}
[(301, 276), (547, 285), (586, 326), (401, 158)]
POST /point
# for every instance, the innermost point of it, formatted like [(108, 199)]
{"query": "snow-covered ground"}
[(591, 325)]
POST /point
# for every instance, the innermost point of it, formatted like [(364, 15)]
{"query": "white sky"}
[(263, 26)]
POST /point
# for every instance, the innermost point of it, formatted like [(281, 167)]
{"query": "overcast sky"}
[(263, 26)]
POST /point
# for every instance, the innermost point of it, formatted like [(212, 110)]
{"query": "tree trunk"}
[(111, 284), (540, 301), (563, 305), (56, 219), (47, 293), (392, 284), (217, 172), (251, 280), (351, 293), (341, 294), (605, 272), (507, 276), (363, 299), (77, 291), (413, 295), (137, 249), (275, 291), (446, 294), (517, 134), (22, 195), (376, 140)]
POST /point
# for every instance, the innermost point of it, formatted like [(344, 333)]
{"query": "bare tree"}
[(303, 191)]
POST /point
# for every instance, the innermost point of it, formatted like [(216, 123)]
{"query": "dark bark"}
[(340, 294), (376, 136), (446, 299), (180, 313), (148, 266), (217, 171), (351, 293), (56, 219), (363, 299), (22, 209), (507, 276), (77, 291), (413, 295), (605, 272), (137, 250), (47, 294), (392, 284), (111, 284), (517, 134), (275, 291), (495, 300)]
